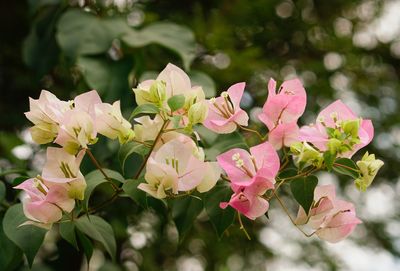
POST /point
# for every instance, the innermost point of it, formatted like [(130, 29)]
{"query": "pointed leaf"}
[(86, 245), (129, 148), (139, 196), (177, 38), (96, 178), (347, 167), (329, 159), (303, 190), (67, 232), (184, 213), (144, 109), (13, 218), (98, 229), (10, 254), (220, 218)]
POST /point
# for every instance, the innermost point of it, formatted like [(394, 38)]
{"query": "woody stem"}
[(96, 163)]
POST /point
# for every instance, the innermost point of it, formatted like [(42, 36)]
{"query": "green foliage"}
[(96, 178), (67, 232), (222, 143), (10, 254), (2, 191), (199, 78), (329, 159), (184, 212), (347, 167), (86, 245), (18, 234), (303, 190), (220, 218), (109, 78), (128, 149), (139, 196), (176, 102), (99, 230), (177, 38), (144, 109)]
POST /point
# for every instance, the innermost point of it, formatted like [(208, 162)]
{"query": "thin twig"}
[(151, 149), (252, 131), (242, 226), (96, 163), (290, 217)]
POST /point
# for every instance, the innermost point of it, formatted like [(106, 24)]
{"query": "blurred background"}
[(341, 49)]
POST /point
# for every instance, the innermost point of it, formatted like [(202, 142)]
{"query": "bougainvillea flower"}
[(111, 123), (77, 130), (45, 204), (170, 82), (285, 105), (332, 219), (45, 113), (248, 200), (62, 168), (284, 134), (244, 168), (178, 165), (224, 112), (338, 129), (282, 110), (87, 101), (147, 128)]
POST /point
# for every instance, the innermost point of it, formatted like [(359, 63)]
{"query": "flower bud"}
[(151, 92), (198, 113), (304, 153), (44, 133), (369, 167)]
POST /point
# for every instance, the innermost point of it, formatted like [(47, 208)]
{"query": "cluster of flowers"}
[(176, 163)]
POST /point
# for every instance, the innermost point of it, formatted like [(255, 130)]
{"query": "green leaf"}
[(329, 159), (139, 196), (41, 39), (287, 173), (303, 190), (223, 143), (10, 254), (19, 180), (86, 245), (347, 167), (220, 218), (144, 109), (184, 213), (2, 191), (177, 38), (67, 232), (129, 148), (13, 218), (83, 33), (96, 178), (176, 102), (98, 229), (202, 79), (109, 78)]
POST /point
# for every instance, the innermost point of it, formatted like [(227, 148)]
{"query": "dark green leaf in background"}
[(13, 218), (303, 190), (347, 167)]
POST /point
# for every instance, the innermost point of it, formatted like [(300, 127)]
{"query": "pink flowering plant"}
[(193, 157)]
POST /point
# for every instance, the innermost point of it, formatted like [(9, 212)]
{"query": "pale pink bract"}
[(224, 113)]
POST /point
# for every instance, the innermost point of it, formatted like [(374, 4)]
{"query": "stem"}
[(252, 131), (242, 226), (151, 149), (290, 217), (101, 169), (141, 142), (105, 203)]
